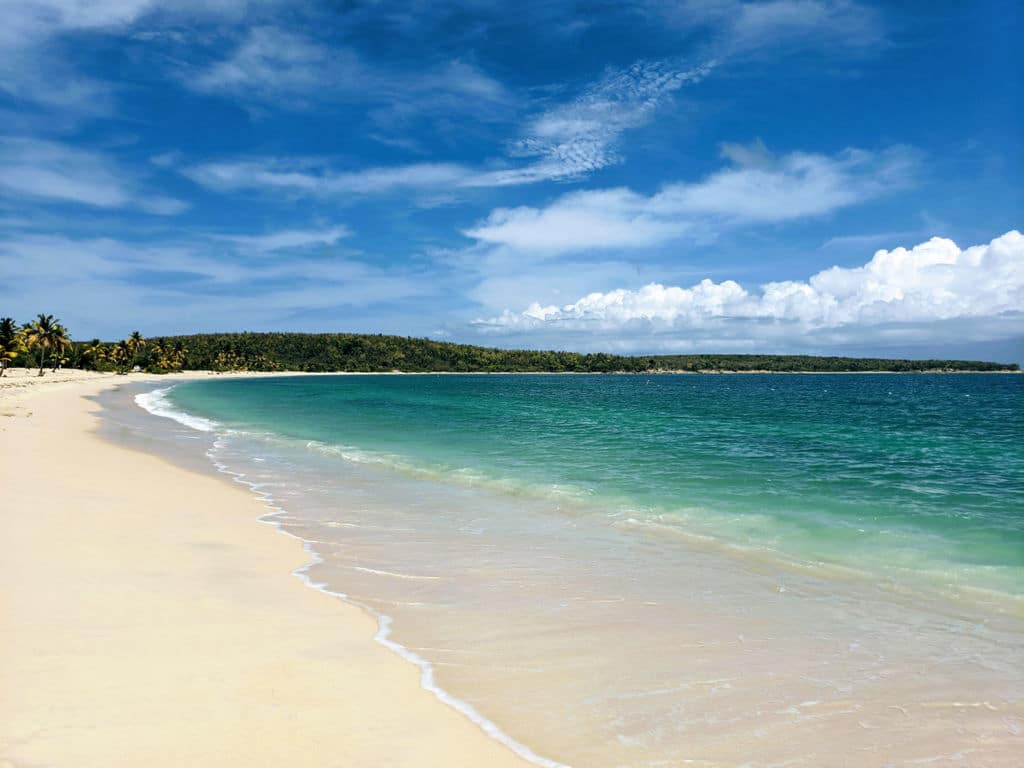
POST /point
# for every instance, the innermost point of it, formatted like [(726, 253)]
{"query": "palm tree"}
[(157, 355), (8, 330), (180, 350), (135, 343), (47, 334), (8, 351), (121, 354), (60, 359), (94, 352)]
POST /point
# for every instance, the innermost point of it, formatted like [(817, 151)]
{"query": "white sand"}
[(147, 619)]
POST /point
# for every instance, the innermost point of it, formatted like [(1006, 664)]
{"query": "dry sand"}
[(147, 619)]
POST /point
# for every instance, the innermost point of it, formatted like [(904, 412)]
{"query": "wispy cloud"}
[(271, 63), (822, 24), (758, 187), (35, 68), (315, 178), (566, 141), (279, 68), (287, 239), (580, 136), (51, 171), (743, 28), (870, 239), (908, 295), (194, 283)]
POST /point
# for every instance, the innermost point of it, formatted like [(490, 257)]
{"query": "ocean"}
[(663, 570)]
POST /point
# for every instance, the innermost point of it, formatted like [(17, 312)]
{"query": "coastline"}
[(145, 625), (379, 551)]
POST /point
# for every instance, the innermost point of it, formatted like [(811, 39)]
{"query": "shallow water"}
[(819, 570)]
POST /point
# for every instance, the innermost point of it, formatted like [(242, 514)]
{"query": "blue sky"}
[(698, 175)]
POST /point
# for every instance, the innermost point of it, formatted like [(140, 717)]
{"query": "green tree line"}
[(45, 342)]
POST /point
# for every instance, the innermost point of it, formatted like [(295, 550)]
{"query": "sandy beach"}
[(148, 619)]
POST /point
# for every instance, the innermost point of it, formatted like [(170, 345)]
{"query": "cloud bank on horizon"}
[(648, 176), (910, 294)]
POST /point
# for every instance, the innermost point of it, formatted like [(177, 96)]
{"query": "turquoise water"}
[(613, 571), (920, 474)]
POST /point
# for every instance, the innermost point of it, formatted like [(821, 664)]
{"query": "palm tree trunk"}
[(42, 359)]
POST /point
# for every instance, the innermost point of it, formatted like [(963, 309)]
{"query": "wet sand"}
[(147, 619)]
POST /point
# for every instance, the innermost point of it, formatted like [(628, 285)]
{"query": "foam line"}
[(156, 402)]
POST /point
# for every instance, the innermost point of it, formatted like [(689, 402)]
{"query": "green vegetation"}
[(369, 353), (49, 338), (10, 343), (42, 341), (812, 364)]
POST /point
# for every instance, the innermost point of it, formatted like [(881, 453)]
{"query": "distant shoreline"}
[(723, 372), (839, 373), (379, 353), (16, 375)]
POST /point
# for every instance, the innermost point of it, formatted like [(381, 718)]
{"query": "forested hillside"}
[(364, 352), (45, 342)]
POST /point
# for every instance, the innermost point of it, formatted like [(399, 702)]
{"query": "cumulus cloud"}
[(55, 172), (758, 187), (907, 289)]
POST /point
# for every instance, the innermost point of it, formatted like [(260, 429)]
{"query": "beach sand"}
[(148, 619)]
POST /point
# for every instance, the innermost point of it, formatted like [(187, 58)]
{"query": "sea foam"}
[(157, 403)]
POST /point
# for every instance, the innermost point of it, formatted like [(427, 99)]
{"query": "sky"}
[(771, 176)]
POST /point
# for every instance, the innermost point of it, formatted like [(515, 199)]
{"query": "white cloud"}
[(580, 136), (744, 28), (762, 188), (288, 239), (160, 205), (314, 178), (569, 140), (272, 62), (193, 284), (901, 293), (818, 23), (43, 18), (287, 70), (52, 171), (796, 185), (873, 238), (32, 19), (32, 66), (611, 218)]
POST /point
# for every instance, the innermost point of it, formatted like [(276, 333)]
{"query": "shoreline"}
[(175, 546), (17, 377), (139, 626), (345, 553)]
